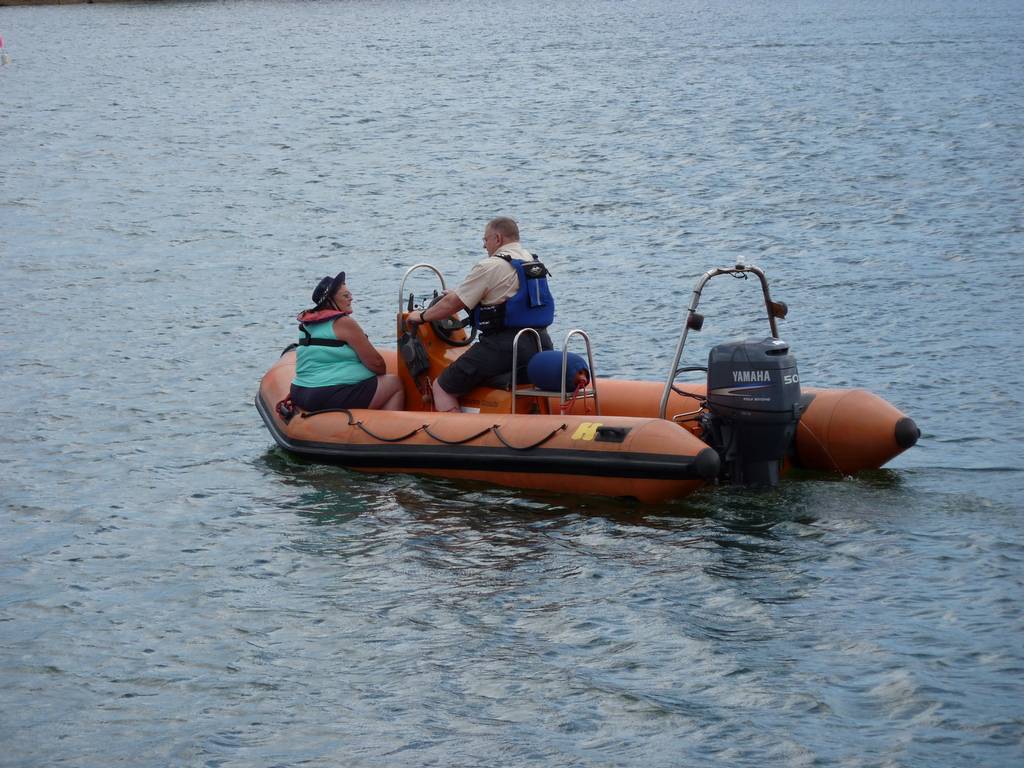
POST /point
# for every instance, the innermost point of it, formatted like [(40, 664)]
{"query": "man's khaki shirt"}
[(492, 280)]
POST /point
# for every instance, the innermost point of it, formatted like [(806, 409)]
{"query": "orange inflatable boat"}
[(748, 424)]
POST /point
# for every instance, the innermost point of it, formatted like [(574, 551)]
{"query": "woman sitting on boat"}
[(336, 365)]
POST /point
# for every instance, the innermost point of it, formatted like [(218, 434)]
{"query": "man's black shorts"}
[(491, 356)]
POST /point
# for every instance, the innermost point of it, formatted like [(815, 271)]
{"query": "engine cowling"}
[(753, 400)]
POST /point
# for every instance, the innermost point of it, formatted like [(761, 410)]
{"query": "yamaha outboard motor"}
[(753, 408)]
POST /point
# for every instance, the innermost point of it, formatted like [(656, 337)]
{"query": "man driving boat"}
[(506, 292)]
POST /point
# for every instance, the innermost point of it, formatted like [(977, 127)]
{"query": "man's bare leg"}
[(444, 402)]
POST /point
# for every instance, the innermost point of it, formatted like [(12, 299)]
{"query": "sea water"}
[(176, 177)]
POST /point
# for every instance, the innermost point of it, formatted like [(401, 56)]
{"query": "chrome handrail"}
[(562, 399), (740, 268), (515, 359), (409, 271)]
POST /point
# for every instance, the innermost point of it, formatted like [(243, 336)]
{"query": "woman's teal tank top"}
[(318, 366)]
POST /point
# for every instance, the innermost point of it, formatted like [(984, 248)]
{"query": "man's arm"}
[(449, 304)]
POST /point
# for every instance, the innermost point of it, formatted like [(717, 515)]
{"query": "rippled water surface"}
[(174, 177)]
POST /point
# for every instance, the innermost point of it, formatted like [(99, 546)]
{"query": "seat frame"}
[(588, 393)]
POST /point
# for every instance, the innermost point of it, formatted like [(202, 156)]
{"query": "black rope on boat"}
[(684, 393), (481, 433), (353, 423), (539, 443), (386, 439), (346, 411), (426, 428)]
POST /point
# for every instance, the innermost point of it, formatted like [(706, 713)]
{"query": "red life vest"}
[(319, 316)]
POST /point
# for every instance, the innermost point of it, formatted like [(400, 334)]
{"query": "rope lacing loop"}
[(425, 428)]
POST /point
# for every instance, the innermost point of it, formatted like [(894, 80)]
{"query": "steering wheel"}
[(446, 327)]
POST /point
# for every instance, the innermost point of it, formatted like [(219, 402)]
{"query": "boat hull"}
[(840, 430), (627, 451), (647, 459)]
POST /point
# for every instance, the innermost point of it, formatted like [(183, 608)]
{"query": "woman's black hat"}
[(326, 287)]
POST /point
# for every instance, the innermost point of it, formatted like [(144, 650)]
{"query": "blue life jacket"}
[(545, 370), (532, 306)]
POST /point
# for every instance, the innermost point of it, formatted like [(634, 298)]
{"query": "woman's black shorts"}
[(358, 395)]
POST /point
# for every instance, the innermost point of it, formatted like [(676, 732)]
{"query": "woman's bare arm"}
[(348, 330)]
